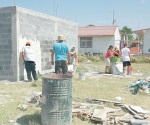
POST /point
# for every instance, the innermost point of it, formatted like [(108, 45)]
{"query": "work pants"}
[(62, 64), (30, 68)]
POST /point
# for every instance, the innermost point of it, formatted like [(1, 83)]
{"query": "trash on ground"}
[(140, 85)]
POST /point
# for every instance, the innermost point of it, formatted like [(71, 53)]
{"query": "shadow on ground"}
[(34, 119)]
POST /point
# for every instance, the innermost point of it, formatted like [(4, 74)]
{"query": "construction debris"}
[(101, 100), (140, 85), (23, 107), (36, 98), (122, 114), (138, 122), (97, 112)]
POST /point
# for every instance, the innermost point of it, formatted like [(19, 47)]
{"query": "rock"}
[(23, 107), (11, 121), (119, 98), (137, 109), (138, 122), (99, 115), (126, 118), (138, 117)]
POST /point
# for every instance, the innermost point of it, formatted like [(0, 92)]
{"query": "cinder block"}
[(6, 67), (1, 68), (33, 26), (6, 35), (4, 51), (1, 26)]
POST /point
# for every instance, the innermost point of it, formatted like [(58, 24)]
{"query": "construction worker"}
[(62, 55), (29, 61)]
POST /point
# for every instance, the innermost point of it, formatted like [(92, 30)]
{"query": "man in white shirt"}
[(29, 61), (125, 52)]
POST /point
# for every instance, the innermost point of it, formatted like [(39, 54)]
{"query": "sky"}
[(134, 14)]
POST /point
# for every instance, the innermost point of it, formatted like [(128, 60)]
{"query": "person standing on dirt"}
[(125, 53), (108, 55), (74, 57), (62, 55), (29, 61)]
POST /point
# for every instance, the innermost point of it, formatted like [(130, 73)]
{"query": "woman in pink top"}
[(107, 58)]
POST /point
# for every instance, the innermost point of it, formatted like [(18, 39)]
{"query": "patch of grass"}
[(140, 59), (16, 93), (107, 87), (30, 119)]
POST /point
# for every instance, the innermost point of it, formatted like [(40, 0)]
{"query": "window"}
[(86, 42)]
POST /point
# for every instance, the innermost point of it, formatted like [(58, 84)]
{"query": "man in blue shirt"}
[(62, 55)]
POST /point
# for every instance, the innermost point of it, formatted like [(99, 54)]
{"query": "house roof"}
[(140, 32), (97, 31)]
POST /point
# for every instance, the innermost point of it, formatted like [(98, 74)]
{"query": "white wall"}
[(100, 44), (117, 38), (146, 43)]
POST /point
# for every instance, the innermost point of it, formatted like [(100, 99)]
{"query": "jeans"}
[(30, 68), (61, 64)]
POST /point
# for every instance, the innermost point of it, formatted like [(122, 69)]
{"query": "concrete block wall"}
[(42, 31), (8, 45)]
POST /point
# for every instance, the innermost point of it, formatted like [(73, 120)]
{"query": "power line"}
[(114, 20)]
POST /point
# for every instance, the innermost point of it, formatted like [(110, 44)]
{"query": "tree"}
[(126, 33)]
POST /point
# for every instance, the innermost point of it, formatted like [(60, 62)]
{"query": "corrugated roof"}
[(97, 31)]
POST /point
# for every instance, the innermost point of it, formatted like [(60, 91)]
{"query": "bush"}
[(82, 57), (140, 59), (99, 57), (95, 58)]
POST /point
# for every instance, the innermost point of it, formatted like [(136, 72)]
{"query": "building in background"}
[(136, 47), (97, 39), (19, 25), (145, 33)]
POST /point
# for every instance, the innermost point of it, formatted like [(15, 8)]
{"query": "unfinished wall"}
[(42, 31), (8, 44)]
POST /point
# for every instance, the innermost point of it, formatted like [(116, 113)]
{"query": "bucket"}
[(114, 59), (81, 76), (56, 100)]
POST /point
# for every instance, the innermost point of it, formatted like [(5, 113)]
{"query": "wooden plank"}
[(101, 100), (130, 110)]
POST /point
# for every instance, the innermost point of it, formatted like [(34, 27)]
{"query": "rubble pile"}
[(36, 98), (96, 111), (140, 85), (34, 101), (122, 114)]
